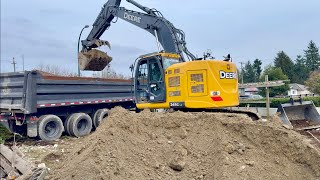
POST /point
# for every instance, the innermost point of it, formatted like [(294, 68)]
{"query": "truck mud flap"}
[(32, 129)]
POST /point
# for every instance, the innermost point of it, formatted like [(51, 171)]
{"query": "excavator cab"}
[(150, 77)]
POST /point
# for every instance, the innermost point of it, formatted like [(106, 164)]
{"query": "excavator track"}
[(252, 115)]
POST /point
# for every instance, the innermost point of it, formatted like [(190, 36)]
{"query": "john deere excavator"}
[(172, 77)]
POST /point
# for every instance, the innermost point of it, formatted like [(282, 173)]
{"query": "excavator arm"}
[(171, 39)]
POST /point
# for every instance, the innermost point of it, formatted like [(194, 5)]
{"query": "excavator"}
[(172, 77)]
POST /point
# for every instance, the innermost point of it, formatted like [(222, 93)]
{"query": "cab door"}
[(149, 81), (156, 81)]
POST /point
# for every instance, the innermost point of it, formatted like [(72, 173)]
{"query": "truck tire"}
[(50, 127), (80, 124), (99, 116), (66, 124)]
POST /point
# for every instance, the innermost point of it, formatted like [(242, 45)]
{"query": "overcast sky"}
[(46, 32)]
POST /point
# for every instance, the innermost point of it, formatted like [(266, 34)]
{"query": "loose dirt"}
[(181, 145)]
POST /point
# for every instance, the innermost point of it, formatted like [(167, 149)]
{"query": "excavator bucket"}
[(299, 115), (94, 59)]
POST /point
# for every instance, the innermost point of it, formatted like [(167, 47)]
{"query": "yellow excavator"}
[(172, 77)]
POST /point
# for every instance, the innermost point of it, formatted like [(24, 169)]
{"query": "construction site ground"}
[(179, 145)]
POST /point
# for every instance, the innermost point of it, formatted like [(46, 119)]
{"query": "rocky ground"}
[(180, 146)]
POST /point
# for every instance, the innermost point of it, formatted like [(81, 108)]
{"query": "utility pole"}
[(14, 64), (267, 96), (242, 63), (22, 62)]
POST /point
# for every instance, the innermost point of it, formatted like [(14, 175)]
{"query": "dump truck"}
[(38, 104)]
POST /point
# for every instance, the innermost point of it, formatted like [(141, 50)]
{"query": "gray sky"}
[(46, 32)]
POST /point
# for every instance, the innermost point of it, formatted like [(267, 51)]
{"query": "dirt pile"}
[(188, 146)]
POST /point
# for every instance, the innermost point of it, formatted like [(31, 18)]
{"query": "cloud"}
[(47, 31)]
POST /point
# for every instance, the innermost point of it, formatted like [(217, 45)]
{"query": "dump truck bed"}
[(26, 92)]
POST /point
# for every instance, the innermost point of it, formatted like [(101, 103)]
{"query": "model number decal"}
[(228, 75), (177, 104)]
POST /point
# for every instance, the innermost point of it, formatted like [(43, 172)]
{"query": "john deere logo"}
[(228, 75), (132, 18)]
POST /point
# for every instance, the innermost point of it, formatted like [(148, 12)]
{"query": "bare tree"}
[(110, 73), (56, 70)]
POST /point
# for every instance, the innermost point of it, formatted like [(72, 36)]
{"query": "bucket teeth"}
[(100, 43)]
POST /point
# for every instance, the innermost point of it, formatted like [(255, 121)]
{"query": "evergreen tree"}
[(248, 73), (312, 57), (301, 72), (257, 68), (284, 62)]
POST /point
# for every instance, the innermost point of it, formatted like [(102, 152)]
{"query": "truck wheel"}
[(99, 116), (66, 124), (80, 124), (50, 127)]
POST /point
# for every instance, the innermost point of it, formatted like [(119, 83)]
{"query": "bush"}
[(316, 100), (4, 134)]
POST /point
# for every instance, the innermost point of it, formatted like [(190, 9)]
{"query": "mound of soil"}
[(188, 146)]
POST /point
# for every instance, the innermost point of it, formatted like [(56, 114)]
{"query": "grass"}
[(4, 134)]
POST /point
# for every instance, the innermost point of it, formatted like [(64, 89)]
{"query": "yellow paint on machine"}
[(196, 83)]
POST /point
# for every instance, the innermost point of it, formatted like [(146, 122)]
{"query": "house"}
[(248, 91), (298, 89)]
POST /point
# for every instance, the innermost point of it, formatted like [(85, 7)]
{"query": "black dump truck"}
[(38, 104)]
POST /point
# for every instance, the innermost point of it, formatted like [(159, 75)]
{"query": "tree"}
[(312, 57), (301, 72), (313, 83), (109, 73), (56, 70), (284, 62), (257, 68), (248, 73), (275, 73)]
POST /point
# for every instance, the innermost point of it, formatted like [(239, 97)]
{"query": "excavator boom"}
[(171, 39)]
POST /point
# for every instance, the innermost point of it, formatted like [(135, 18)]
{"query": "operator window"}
[(155, 73), (142, 82), (143, 74)]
